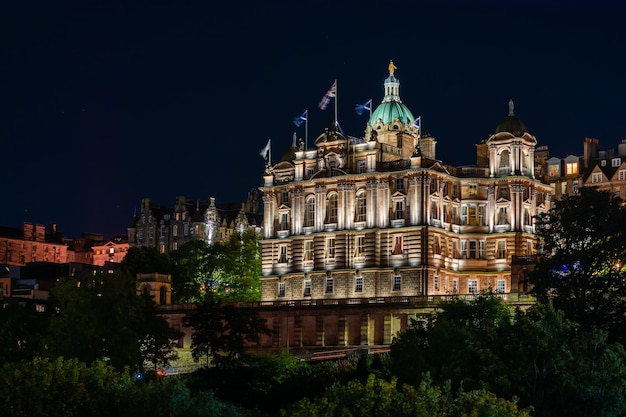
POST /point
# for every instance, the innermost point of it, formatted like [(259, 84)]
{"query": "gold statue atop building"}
[(392, 67)]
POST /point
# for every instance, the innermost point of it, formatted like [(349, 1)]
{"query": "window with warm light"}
[(571, 168)]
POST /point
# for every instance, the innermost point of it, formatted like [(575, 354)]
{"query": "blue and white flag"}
[(302, 118), (417, 123), (265, 150), (362, 108), (332, 92)]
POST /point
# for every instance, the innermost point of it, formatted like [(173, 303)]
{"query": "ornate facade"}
[(380, 216), (167, 228)]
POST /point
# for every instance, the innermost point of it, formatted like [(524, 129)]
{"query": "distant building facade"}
[(32, 243), (167, 228), (110, 251)]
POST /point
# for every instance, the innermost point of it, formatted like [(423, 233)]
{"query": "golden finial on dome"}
[(392, 67)]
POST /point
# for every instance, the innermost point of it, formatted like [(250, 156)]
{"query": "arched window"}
[(309, 212), (331, 209), (361, 207), (163, 295)]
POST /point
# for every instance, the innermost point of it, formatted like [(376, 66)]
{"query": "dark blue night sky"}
[(105, 103)]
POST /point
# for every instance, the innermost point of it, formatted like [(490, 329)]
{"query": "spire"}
[(511, 106)]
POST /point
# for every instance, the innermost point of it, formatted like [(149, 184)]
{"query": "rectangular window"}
[(185, 230), (472, 286), (436, 246), (361, 167), (571, 168), (285, 197), (309, 213), (307, 287), (175, 230), (481, 249), (281, 289), (622, 174), (397, 245), (284, 224), (472, 249), (596, 177), (501, 286), (399, 184), (554, 170), (332, 209), (501, 249), (473, 190), (361, 208), (615, 162), (309, 172), (396, 283), (455, 286), (360, 246), (399, 212), (330, 248), (283, 254), (308, 250), (358, 284), (436, 282), (563, 188), (329, 285)]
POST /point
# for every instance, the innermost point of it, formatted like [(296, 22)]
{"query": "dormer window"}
[(615, 162), (571, 168), (554, 170)]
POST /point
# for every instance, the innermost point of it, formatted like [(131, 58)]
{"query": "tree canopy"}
[(583, 240)]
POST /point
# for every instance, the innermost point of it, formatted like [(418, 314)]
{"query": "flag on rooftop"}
[(332, 92), (361, 108), (302, 118), (265, 150)]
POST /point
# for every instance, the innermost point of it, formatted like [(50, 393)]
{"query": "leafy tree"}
[(452, 345), (22, 332), (194, 265), (221, 331), (146, 260), (102, 317), (378, 397), (583, 268), (229, 270)]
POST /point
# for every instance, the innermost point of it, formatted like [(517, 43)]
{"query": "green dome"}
[(390, 111)]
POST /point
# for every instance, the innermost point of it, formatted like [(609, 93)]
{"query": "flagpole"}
[(370, 120), (336, 97), (306, 131), (270, 160)]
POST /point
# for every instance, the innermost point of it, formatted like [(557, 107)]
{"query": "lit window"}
[(501, 286), (473, 190), (397, 245), (554, 170), (472, 286), (571, 168)]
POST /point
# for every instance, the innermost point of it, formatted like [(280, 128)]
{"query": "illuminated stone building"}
[(381, 218), (167, 228), (110, 251), (32, 243)]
